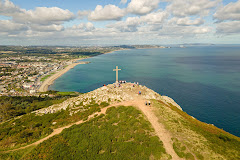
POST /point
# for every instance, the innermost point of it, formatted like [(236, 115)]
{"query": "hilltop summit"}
[(112, 95), (126, 121)]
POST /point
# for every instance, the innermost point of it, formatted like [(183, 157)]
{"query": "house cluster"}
[(21, 76)]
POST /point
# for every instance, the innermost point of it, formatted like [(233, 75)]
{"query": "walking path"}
[(159, 128)]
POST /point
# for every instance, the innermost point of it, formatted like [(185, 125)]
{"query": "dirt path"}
[(159, 128), (59, 130)]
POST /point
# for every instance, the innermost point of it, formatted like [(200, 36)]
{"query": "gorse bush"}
[(11, 107), (31, 127)]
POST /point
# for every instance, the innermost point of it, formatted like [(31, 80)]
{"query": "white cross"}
[(117, 73)]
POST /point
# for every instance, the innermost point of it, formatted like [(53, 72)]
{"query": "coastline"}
[(49, 81), (115, 51)]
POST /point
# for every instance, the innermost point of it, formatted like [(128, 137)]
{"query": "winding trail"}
[(159, 128), (139, 103), (59, 130)]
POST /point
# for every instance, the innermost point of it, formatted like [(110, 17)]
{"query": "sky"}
[(116, 22)]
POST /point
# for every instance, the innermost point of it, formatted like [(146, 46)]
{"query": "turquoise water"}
[(204, 81)]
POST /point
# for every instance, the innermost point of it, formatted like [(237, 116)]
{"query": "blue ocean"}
[(203, 80)]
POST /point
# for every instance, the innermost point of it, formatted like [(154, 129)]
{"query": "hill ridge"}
[(182, 136)]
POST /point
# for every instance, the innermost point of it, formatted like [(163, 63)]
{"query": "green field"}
[(45, 77)]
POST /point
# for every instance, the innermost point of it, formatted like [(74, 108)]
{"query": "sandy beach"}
[(49, 81), (116, 50)]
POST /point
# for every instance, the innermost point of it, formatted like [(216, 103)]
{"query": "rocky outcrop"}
[(111, 93), (167, 100)]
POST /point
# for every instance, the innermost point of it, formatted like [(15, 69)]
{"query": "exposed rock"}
[(109, 94), (167, 100)]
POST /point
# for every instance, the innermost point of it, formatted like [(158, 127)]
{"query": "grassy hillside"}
[(30, 127), (122, 133), (11, 107), (195, 139)]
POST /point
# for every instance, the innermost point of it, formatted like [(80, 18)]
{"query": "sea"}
[(203, 80)]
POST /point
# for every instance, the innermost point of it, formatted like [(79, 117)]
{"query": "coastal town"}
[(23, 69), (22, 76)]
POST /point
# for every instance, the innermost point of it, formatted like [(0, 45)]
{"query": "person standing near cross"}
[(117, 73)]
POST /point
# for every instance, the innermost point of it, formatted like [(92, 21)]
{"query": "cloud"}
[(41, 15), (44, 16), (41, 19), (82, 14), (184, 31), (131, 24), (144, 23), (231, 27), (108, 12), (155, 17), (202, 30), (182, 8), (186, 21), (229, 12), (7, 8), (141, 7), (123, 1), (84, 27), (48, 28), (9, 26)]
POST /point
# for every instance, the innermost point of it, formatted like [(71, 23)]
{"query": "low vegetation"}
[(181, 150), (16, 106), (192, 136), (122, 134), (31, 127)]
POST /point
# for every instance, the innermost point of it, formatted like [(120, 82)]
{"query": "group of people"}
[(135, 83), (148, 103), (119, 84), (122, 82)]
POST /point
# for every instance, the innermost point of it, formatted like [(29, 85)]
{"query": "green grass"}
[(29, 128), (16, 106), (45, 77), (66, 93), (122, 134), (181, 150), (204, 140), (16, 155)]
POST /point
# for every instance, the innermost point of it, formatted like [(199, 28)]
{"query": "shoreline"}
[(115, 51), (49, 81)]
